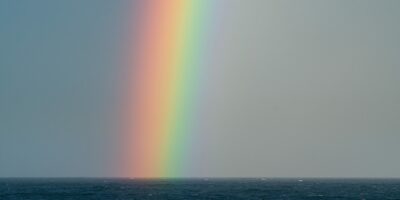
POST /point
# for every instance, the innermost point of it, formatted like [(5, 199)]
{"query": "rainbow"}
[(164, 80)]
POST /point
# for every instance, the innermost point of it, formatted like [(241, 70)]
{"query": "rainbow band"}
[(164, 86)]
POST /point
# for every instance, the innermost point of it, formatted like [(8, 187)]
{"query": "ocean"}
[(228, 188)]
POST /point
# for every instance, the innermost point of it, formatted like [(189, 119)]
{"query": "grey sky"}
[(58, 73), (293, 88)]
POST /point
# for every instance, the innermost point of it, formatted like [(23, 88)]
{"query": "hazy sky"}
[(292, 88)]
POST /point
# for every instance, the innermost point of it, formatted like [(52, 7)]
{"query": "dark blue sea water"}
[(251, 188)]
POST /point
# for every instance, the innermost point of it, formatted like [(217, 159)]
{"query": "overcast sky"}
[(291, 88)]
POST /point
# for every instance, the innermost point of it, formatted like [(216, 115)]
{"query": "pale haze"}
[(291, 88)]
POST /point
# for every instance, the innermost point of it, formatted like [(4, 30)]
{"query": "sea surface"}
[(233, 188)]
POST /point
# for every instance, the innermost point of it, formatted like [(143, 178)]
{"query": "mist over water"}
[(293, 88)]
